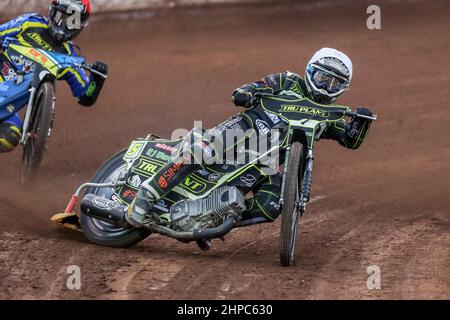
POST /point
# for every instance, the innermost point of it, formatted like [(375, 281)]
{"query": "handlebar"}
[(350, 113), (88, 67), (355, 114)]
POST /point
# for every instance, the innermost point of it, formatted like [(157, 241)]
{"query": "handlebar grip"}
[(89, 68), (355, 114)]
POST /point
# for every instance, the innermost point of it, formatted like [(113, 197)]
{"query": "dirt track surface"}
[(386, 204)]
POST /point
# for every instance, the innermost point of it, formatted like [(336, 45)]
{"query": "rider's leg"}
[(265, 203), (193, 150), (188, 158), (10, 133)]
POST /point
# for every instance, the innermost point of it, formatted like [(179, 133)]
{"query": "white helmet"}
[(328, 75)]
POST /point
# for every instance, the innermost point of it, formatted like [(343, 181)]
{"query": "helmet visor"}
[(328, 81)]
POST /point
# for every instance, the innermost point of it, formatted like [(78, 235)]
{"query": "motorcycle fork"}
[(28, 113), (40, 74), (307, 180), (305, 184), (286, 165)]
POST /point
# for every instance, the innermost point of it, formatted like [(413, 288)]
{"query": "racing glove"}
[(357, 129), (95, 85), (242, 98)]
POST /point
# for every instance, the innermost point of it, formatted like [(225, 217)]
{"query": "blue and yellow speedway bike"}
[(34, 90), (209, 202)]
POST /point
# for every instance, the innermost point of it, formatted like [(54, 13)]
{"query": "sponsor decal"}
[(296, 88), (147, 167), (354, 130), (263, 127), (193, 185), (159, 155), (232, 124), (248, 180), (105, 204), (275, 205), (335, 64), (10, 108), (38, 56), (8, 72), (274, 118), (27, 65), (115, 198), (162, 205), (203, 172), (134, 181), (129, 194), (213, 177), (36, 37), (169, 174), (91, 89), (206, 149), (134, 150), (308, 110), (163, 183), (166, 147)]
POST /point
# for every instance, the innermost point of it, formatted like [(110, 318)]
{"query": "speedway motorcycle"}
[(208, 203), (33, 89)]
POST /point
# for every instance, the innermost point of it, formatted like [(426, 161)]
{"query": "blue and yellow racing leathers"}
[(33, 30)]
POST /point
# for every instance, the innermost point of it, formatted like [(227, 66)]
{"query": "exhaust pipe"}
[(105, 210), (198, 234), (114, 213)]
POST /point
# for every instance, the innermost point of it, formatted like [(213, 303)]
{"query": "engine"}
[(211, 212)]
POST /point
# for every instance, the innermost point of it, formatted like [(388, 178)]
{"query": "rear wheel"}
[(39, 131), (291, 211), (101, 232)]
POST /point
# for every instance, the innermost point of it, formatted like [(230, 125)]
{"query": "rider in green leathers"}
[(328, 74)]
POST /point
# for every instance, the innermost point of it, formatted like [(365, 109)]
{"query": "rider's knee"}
[(9, 137), (266, 199)]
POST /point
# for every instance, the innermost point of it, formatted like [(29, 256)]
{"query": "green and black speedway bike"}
[(203, 208)]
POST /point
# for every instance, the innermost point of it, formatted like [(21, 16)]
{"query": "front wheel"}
[(101, 232), (40, 127), (290, 211)]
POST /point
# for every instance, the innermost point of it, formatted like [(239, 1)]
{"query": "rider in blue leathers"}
[(51, 34)]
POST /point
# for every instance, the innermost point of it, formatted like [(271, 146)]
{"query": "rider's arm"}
[(85, 89), (350, 135), (271, 84), (12, 28)]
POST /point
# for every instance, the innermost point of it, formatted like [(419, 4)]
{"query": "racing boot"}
[(67, 220), (9, 137), (137, 214)]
